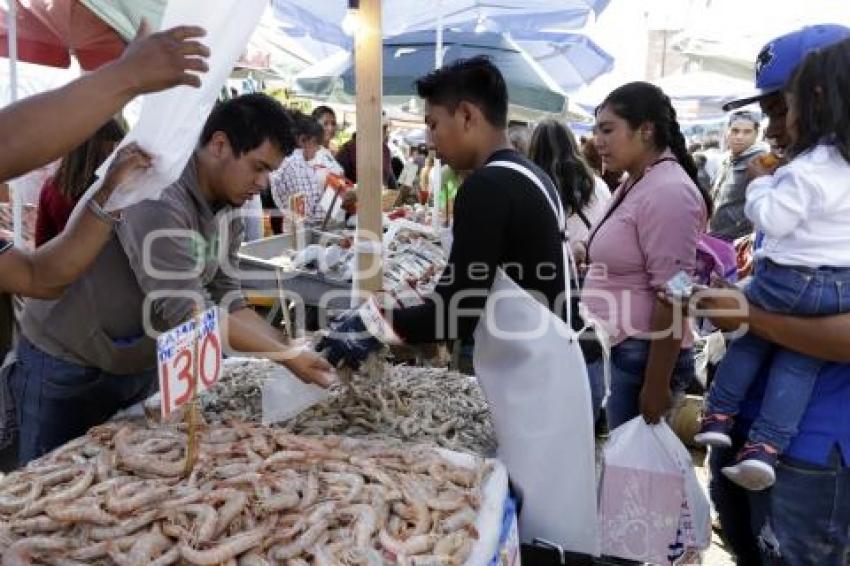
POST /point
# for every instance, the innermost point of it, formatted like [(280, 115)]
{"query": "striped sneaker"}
[(753, 467), (714, 430)]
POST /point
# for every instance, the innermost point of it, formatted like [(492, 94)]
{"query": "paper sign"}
[(298, 206), (193, 346), (408, 174)]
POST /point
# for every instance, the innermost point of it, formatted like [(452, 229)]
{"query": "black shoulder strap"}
[(583, 218), (619, 201)]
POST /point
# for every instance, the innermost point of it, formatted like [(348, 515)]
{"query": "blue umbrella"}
[(571, 59), (408, 56), (322, 21)]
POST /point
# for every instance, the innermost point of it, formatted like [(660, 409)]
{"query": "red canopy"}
[(50, 31)]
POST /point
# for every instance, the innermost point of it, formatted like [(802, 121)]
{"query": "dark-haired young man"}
[(509, 254), (730, 187), (87, 355)]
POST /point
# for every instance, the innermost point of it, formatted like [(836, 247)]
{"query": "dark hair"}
[(76, 172), (248, 121), (640, 102), (309, 127), (748, 116), (321, 110), (475, 80), (819, 89), (553, 147)]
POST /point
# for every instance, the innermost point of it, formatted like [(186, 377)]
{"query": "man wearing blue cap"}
[(805, 517)]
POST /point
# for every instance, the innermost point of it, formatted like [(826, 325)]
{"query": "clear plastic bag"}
[(285, 396)]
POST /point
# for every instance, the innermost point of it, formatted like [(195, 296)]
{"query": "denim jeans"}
[(804, 519), (57, 401), (791, 377), (628, 363), (596, 377)]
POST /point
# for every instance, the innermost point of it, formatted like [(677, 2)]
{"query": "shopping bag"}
[(652, 508), (171, 121), (716, 259)]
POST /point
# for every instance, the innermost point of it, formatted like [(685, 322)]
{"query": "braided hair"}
[(641, 102)]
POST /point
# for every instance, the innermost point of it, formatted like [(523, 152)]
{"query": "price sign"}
[(298, 206), (189, 359)]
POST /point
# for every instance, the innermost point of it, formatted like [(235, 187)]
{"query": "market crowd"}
[(629, 209)]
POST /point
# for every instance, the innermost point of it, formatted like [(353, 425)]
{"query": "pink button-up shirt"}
[(651, 236)]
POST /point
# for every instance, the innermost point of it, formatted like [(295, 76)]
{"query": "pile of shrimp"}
[(255, 496), (415, 404)]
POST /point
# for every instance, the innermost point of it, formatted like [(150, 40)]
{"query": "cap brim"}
[(754, 96)]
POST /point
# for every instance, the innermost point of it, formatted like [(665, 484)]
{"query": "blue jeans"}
[(804, 519), (596, 377), (57, 401), (791, 377), (628, 363)]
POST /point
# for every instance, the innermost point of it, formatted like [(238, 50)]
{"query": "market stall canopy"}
[(322, 21), (411, 55), (33, 79), (49, 32), (701, 94), (702, 85), (271, 54), (571, 59), (124, 16)]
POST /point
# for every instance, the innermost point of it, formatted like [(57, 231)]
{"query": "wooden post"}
[(370, 143)]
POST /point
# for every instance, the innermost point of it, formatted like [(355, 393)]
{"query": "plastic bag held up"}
[(651, 508), (171, 121)]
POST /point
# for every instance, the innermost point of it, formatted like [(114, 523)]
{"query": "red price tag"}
[(189, 360)]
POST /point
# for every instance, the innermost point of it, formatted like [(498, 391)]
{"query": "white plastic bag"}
[(285, 396), (652, 507), (171, 121)]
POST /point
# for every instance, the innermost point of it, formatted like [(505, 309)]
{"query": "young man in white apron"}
[(505, 280)]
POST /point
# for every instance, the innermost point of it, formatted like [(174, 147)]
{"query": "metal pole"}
[(12, 24), (438, 177), (438, 54), (13, 49)]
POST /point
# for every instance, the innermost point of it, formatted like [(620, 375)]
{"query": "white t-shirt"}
[(803, 210), (594, 210)]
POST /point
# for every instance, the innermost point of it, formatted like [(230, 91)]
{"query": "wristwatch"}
[(100, 213)]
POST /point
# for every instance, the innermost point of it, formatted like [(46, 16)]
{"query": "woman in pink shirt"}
[(648, 233)]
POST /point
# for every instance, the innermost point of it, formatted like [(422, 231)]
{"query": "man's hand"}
[(154, 62), (580, 255), (654, 402), (311, 368), (723, 304), (129, 161), (356, 334)]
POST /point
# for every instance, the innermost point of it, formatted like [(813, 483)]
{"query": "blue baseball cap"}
[(778, 59)]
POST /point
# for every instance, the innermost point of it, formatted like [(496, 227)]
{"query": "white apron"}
[(530, 366)]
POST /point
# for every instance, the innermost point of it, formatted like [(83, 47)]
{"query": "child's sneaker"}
[(754, 467), (714, 430)]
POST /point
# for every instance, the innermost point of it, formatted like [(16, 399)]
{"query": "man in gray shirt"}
[(89, 354), (730, 186)]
